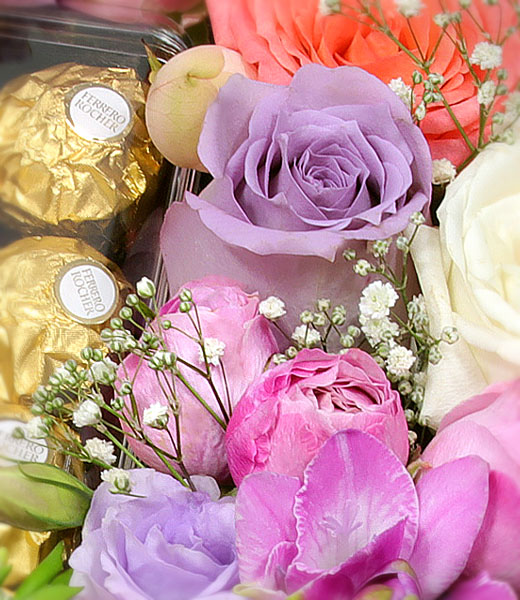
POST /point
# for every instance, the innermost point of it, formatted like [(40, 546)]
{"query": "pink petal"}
[(497, 548), (344, 580), (452, 503), (481, 587), (266, 527), (465, 438), (355, 490)]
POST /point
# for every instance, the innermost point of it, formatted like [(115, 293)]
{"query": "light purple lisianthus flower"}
[(286, 416), (349, 528), (230, 316), (172, 544), (301, 172)]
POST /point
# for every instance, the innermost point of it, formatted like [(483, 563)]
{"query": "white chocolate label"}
[(99, 113), (19, 449), (87, 291)]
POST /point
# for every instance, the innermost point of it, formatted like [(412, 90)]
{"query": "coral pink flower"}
[(277, 37)]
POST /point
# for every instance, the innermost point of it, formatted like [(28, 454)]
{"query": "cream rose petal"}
[(457, 376)]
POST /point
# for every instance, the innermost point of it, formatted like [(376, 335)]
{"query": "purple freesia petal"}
[(452, 502), (481, 587), (265, 527), (332, 524)]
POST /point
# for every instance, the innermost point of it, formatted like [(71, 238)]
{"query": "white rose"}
[(469, 272)]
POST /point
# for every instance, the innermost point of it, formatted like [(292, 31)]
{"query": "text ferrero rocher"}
[(74, 150), (56, 295)]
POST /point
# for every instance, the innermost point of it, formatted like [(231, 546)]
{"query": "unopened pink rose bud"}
[(180, 96)]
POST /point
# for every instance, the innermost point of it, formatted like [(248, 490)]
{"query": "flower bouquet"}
[(326, 404)]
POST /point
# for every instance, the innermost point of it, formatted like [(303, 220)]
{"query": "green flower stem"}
[(123, 449), (188, 386)]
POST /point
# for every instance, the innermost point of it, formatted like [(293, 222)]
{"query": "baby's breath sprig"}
[(98, 393), (427, 89)]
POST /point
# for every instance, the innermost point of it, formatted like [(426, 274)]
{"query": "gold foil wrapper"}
[(75, 155), (52, 305), (27, 548)]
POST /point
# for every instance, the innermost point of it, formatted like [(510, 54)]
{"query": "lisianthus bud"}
[(40, 497), (180, 96)]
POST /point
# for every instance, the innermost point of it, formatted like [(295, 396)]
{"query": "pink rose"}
[(231, 317), (488, 425), (285, 417)]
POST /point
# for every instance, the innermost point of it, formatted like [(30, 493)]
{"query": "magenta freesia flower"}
[(168, 544), (488, 425), (285, 417), (230, 319), (300, 173), (355, 521)]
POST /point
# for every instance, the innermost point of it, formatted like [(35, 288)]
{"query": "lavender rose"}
[(171, 544), (286, 416), (300, 173)]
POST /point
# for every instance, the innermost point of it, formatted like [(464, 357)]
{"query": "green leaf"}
[(5, 568), (54, 592), (44, 573), (40, 497)]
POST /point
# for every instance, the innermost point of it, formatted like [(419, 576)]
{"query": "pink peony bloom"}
[(488, 425), (348, 530), (230, 316), (285, 417)]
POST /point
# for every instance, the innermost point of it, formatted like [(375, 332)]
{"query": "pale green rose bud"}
[(180, 95)]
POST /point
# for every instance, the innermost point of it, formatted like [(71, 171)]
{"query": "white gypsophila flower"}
[(272, 308), (119, 479), (442, 20), (101, 450), (420, 111), (87, 413), (409, 8), (400, 360), (329, 7), (102, 371), (377, 299), (145, 288), (214, 350), (403, 91), (486, 55), (362, 267), (444, 171), (306, 336), (35, 429), (512, 104), (378, 330), (156, 416), (486, 93)]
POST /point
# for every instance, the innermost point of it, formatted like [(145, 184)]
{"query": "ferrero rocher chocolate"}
[(56, 295), (74, 150), (26, 548)]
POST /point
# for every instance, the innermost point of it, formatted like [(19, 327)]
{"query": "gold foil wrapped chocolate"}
[(75, 155), (27, 548), (56, 294)]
